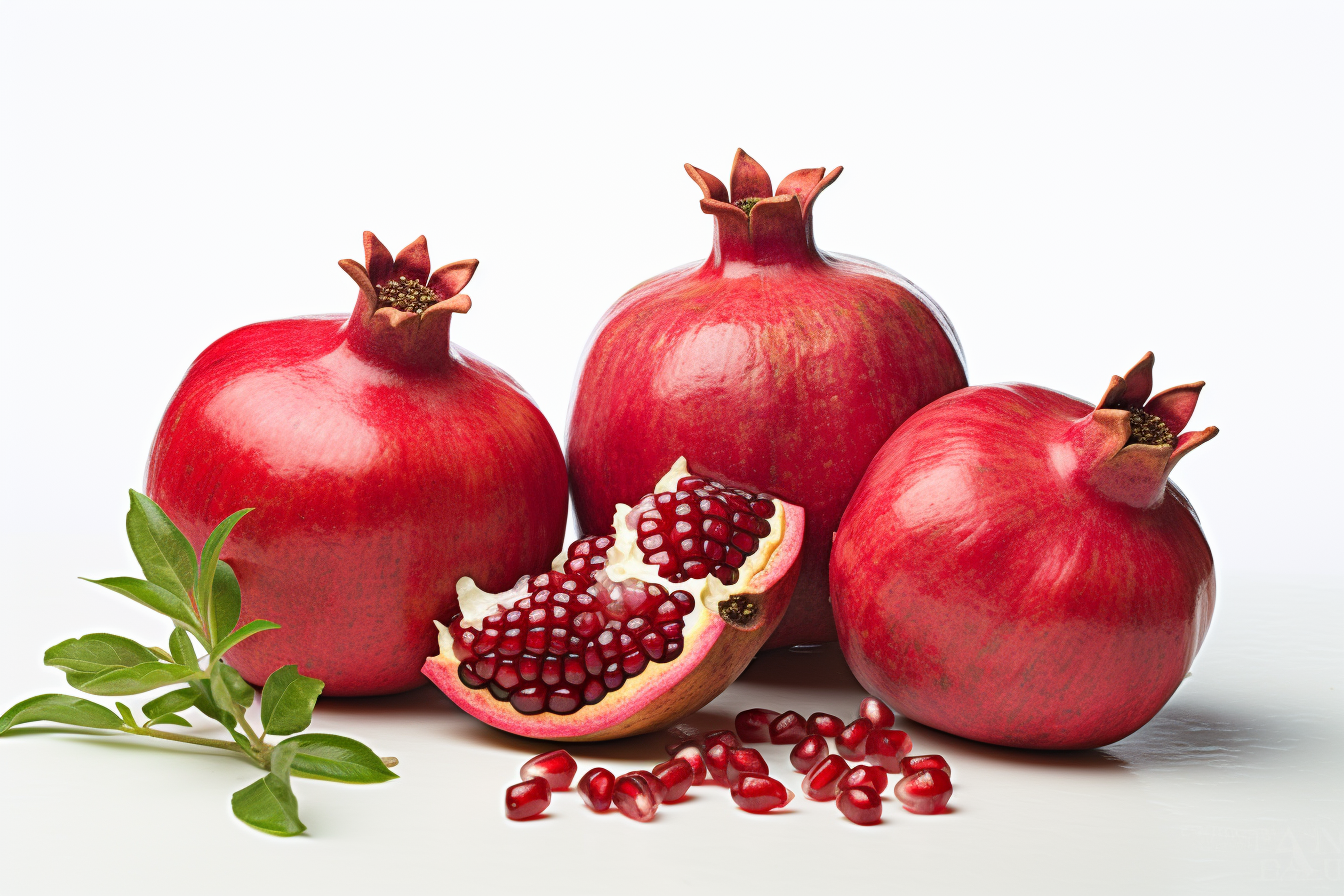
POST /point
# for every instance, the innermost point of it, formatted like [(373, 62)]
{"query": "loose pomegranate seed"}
[(691, 755), (727, 738), (677, 776), (877, 712), (823, 781), (557, 767), (865, 776), (852, 743), (595, 787), (527, 799), (634, 797), (912, 764), (861, 805), (825, 724), (675, 748), (759, 793), (716, 760), (753, 725), (658, 788), (926, 792), (788, 729), (745, 761), (808, 752), (888, 748), (701, 529)]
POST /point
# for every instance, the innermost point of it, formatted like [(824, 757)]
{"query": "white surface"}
[(1075, 184)]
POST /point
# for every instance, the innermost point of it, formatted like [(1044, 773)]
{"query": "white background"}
[(1074, 184)]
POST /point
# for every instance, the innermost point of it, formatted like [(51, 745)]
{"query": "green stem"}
[(186, 739)]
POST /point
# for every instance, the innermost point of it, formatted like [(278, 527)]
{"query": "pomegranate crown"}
[(403, 312), (754, 224), (1139, 440)]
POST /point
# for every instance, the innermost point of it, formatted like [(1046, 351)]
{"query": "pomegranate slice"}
[(861, 805), (527, 800), (744, 761), (753, 725), (852, 743), (865, 776), (621, 642), (888, 748), (825, 724), (635, 797), (823, 781), (595, 788), (677, 776), (760, 793), (557, 767), (808, 752), (926, 792), (912, 764), (877, 712), (788, 729)]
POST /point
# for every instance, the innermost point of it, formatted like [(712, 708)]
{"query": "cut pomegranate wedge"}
[(629, 632)]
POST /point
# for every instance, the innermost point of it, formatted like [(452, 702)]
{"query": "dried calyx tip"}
[(405, 294), (1148, 429), (747, 204), (739, 610)]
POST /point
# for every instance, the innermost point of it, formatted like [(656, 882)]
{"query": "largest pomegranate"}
[(778, 367), (384, 464)]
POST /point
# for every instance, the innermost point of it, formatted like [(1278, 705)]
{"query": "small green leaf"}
[(130, 680), (247, 631), (183, 651), (158, 599), (205, 702), (59, 708), (205, 578), (168, 718), (269, 805), (336, 758), (287, 701), (227, 598), (161, 654), (97, 653), (165, 555), (227, 685), (127, 716), (241, 739), (173, 701)]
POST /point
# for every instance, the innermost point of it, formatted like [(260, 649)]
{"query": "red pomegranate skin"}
[(383, 465), (992, 579), (772, 365)]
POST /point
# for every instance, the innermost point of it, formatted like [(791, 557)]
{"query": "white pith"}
[(625, 561)]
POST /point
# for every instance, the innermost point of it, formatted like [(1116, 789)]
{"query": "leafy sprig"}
[(202, 598)]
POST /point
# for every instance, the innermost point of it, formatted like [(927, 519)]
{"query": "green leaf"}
[(183, 651), (59, 708), (269, 805), (241, 739), (226, 684), (336, 758), (168, 718), (158, 599), (165, 555), (227, 600), (205, 702), (130, 680), (97, 653), (247, 631), (173, 701), (127, 716), (205, 578), (287, 701), (161, 654)]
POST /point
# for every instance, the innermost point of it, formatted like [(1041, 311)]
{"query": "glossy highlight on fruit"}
[(877, 712), (873, 776), (609, 647), (1017, 567), (808, 752), (557, 767), (677, 776), (384, 463), (788, 729), (825, 724), (823, 781), (596, 788), (527, 800), (912, 764), (744, 761), (777, 366), (760, 794), (861, 805), (852, 743), (888, 748), (926, 792), (635, 796)]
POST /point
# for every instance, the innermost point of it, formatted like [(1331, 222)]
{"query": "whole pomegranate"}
[(1016, 567), (384, 464), (776, 366)]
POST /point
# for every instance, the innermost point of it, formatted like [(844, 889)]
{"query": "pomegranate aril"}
[(670, 630), (586, 624), (529, 668), (912, 764), (876, 712), (511, 643), (592, 659), (634, 797), (692, 756), (595, 789), (486, 641), (822, 782), (469, 678), (557, 768), (593, 692), (727, 738), (759, 793), (888, 748), (613, 677), (652, 644), (788, 729), (861, 805), (564, 700), (514, 616), (559, 642), (873, 776), (529, 700), (608, 644), (506, 675), (926, 792), (464, 644), (808, 752), (716, 760), (527, 800), (634, 663), (486, 666), (852, 743), (744, 761), (494, 620), (677, 776), (672, 650), (683, 600), (825, 724), (573, 671), (753, 725)]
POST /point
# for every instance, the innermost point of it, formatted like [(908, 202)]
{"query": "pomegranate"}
[(888, 748), (384, 464), (753, 725), (825, 724), (527, 800), (775, 365), (620, 641), (822, 782), (912, 764), (852, 743), (808, 752), (861, 805), (925, 792), (596, 787), (1017, 568), (557, 767), (760, 794)]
